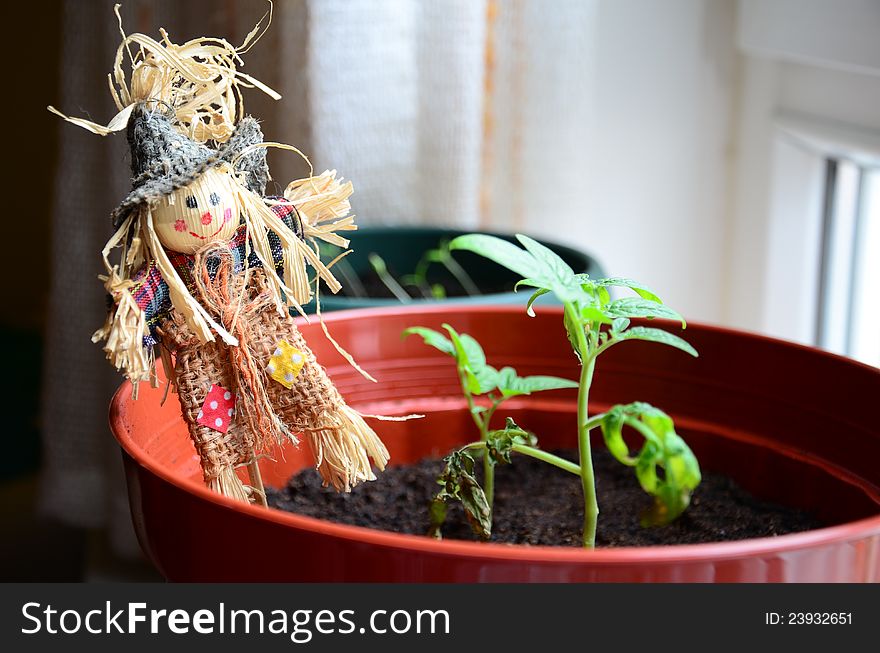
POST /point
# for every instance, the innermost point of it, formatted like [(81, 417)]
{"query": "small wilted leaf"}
[(663, 449), (458, 483), (612, 432), (476, 507), (500, 443)]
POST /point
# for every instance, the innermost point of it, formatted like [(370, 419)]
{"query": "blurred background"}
[(725, 151)]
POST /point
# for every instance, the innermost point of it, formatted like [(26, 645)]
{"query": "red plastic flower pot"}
[(789, 423)]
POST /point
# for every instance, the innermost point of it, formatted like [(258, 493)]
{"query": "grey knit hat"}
[(163, 159)]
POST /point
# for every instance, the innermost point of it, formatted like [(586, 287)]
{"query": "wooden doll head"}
[(204, 211)]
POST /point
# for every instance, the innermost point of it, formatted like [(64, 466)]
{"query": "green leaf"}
[(646, 468), (638, 307), (635, 286), (437, 514), (562, 279), (538, 293), (594, 314), (433, 338), (476, 357), (467, 350), (471, 359), (612, 432), (663, 449), (510, 384), (532, 283), (573, 329), (529, 384), (620, 324), (502, 252), (538, 265), (548, 259), (657, 335), (483, 380)]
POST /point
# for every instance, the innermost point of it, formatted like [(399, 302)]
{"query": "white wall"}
[(656, 160), (693, 182), (816, 76)]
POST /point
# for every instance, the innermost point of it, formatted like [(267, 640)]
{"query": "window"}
[(848, 320)]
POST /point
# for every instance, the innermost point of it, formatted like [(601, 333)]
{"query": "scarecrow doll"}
[(209, 269)]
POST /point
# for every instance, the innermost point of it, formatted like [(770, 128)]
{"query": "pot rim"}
[(866, 527)]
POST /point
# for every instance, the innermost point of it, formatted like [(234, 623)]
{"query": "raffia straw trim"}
[(228, 296), (198, 80), (339, 349), (124, 328), (317, 201), (393, 418), (343, 449), (229, 485), (323, 201), (259, 218)]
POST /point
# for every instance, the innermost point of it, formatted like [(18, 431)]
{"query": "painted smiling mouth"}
[(227, 216)]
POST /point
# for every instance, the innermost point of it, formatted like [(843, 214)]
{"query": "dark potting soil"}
[(538, 504)]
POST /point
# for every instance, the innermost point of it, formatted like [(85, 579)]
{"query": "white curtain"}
[(474, 113), (462, 112)]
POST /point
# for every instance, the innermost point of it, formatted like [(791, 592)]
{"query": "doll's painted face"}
[(195, 215)]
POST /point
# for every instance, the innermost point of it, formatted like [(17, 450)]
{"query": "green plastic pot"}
[(402, 247)]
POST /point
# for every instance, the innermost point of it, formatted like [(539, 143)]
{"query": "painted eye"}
[(214, 198), (191, 202)]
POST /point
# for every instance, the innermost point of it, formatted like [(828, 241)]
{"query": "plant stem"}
[(547, 457), (533, 452), (351, 278), (591, 506), (458, 272), (378, 264), (483, 427), (585, 455)]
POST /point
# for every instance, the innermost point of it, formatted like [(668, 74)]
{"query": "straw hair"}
[(198, 80)]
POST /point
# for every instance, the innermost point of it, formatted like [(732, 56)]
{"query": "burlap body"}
[(309, 407)]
